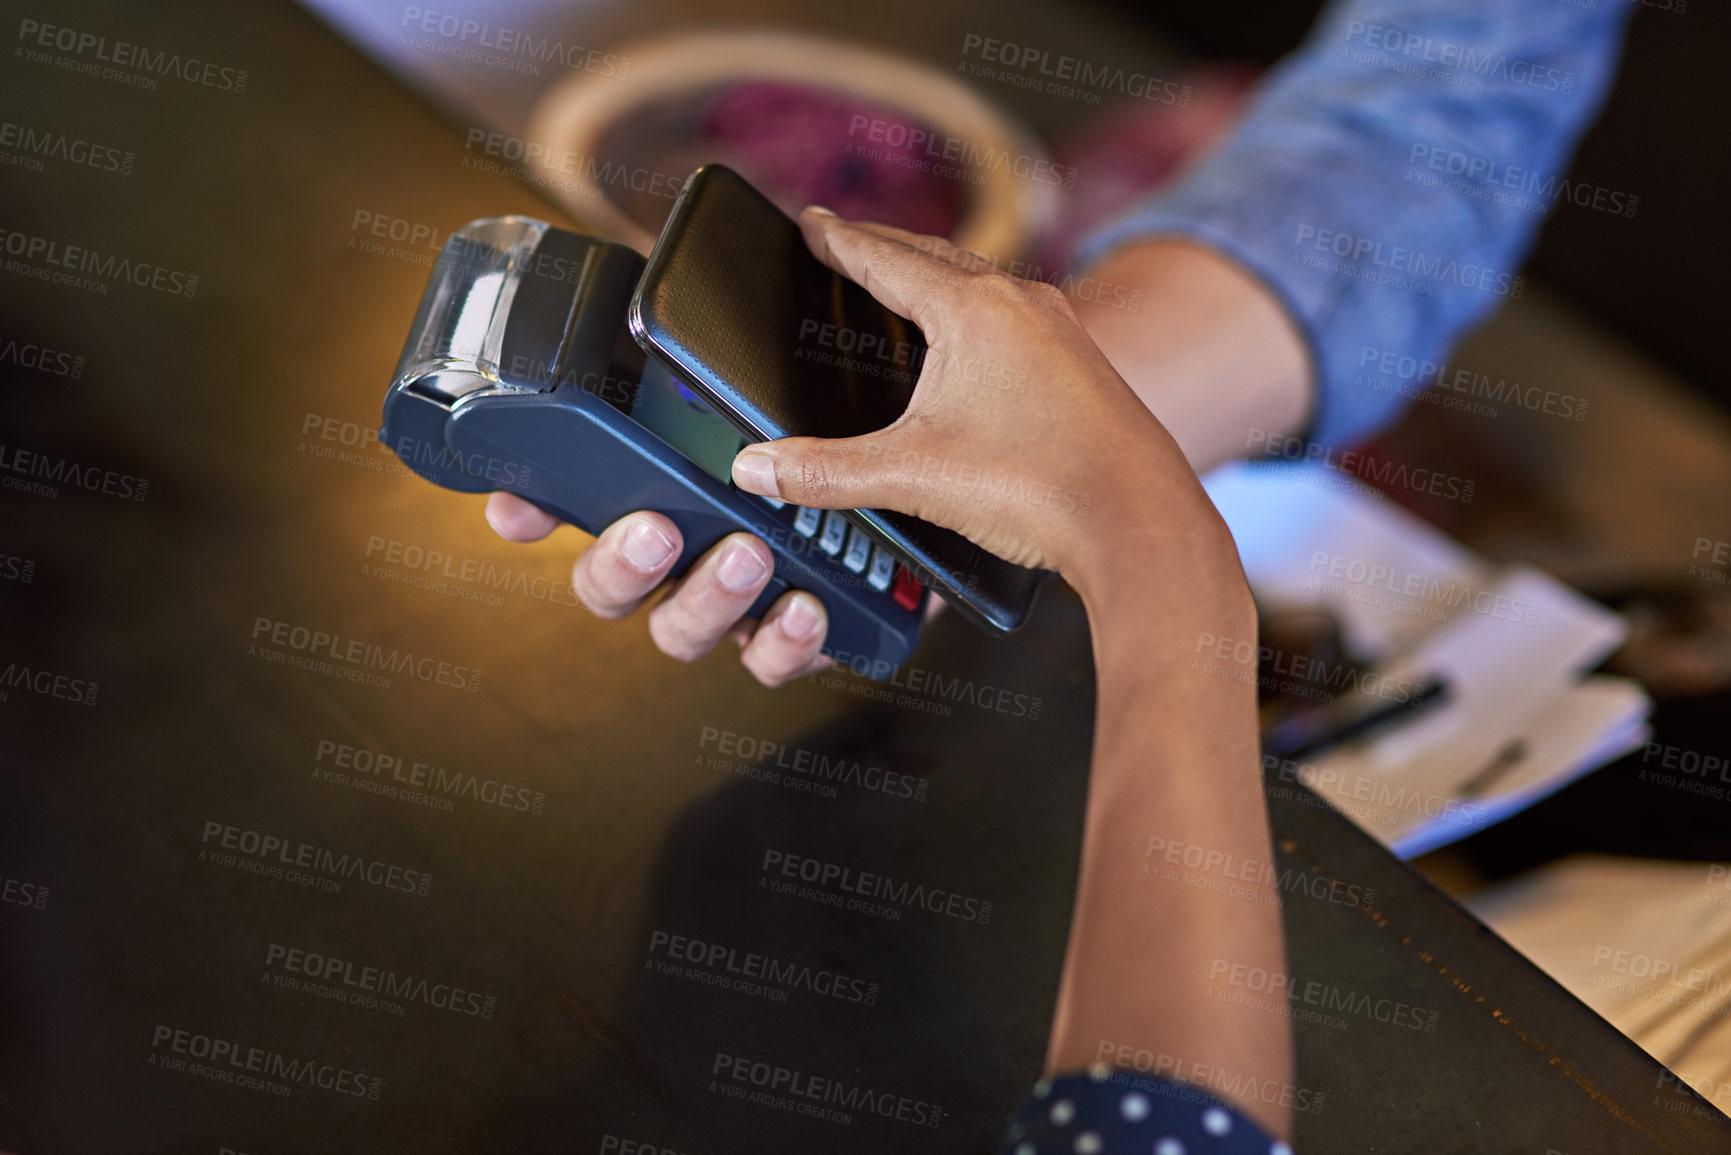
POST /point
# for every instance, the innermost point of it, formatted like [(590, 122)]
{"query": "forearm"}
[(1175, 761), (1369, 192), (1209, 349)]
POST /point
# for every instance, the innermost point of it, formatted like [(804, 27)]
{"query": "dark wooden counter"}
[(183, 793)]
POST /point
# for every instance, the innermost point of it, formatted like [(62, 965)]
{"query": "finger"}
[(869, 472), (985, 274), (940, 247), (910, 283), (712, 597), (625, 564), (514, 519), (788, 640)]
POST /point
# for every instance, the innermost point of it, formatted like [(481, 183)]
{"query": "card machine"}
[(520, 374)]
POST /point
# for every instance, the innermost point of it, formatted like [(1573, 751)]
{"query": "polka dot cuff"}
[(1106, 1112)]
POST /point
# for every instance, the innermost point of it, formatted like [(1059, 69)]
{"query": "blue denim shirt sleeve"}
[(1391, 177)]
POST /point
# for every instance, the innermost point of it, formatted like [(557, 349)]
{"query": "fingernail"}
[(645, 547), (799, 619), (740, 568), (754, 472), (821, 211)]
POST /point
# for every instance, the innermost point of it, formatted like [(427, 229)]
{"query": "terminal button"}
[(835, 527), (907, 591), (883, 568), (807, 521), (859, 550)]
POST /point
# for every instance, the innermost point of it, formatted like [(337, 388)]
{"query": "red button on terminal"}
[(906, 591)]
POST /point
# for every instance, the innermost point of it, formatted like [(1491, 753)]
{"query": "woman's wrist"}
[(1157, 537)]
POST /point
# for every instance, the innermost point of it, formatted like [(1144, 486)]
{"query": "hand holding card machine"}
[(519, 374)]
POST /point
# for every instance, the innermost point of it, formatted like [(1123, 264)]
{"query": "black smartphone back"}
[(783, 346)]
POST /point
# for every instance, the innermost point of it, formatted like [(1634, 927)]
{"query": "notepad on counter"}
[(1521, 720)]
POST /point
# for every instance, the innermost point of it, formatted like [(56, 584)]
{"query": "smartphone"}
[(736, 306)]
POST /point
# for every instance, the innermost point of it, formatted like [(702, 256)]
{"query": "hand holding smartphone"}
[(782, 346)]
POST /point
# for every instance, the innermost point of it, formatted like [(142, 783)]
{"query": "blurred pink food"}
[(807, 145), (1132, 149)]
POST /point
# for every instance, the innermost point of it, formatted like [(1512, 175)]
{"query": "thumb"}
[(826, 473)]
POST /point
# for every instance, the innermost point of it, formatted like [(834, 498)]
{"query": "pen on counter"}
[(1506, 759), (1346, 720)]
